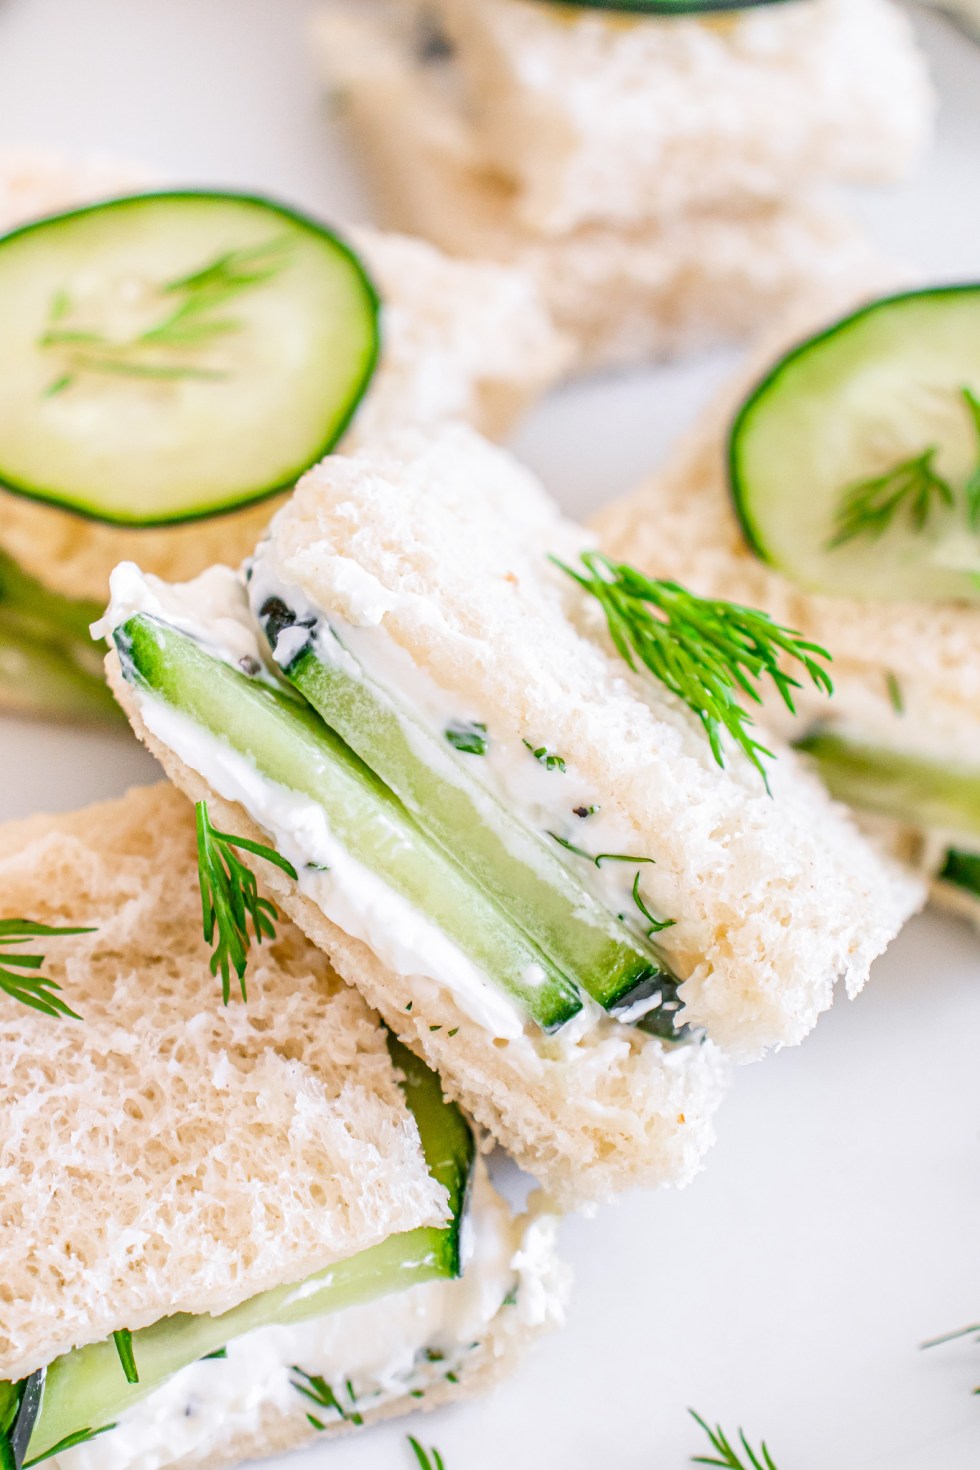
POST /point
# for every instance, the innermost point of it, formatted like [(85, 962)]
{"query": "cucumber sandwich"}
[(562, 880), (659, 173), (843, 495), (227, 1232), (179, 357)]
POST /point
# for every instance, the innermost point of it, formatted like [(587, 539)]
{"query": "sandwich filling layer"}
[(368, 1356)]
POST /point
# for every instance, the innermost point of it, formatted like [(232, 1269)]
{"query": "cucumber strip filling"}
[(895, 783), (358, 850), (48, 664), (87, 1390), (429, 771)]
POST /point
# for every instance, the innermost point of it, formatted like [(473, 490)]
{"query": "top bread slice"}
[(615, 119), (682, 523), (624, 292), (165, 1154), (461, 340)]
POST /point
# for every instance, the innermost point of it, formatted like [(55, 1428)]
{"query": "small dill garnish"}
[(123, 1339), (319, 1392), (81, 1436), (869, 507), (37, 991), (895, 696), (427, 1459), (470, 738), (657, 926), (602, 857), (550, 762), (707, 652), (230, 897), (729, 1457), (973, 1331)]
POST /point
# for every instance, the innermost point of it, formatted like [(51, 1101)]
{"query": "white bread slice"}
[(623, 293), (775, 898), (681, 523), (462, 340), (164, 1154), (615, 119)]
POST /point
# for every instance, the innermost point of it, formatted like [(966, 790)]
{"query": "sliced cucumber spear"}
[(914, 789), (855, 465), (523, 874), (48, 663), (169, 356), (291, 745), (87, 1389)]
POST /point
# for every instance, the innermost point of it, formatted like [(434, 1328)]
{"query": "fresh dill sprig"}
[(707, 652), (426, 1459), (895, 696), (123, 1339), (550, 762), (912, 488), (657, 926), (81, 1436), (869, 507), (600, 858), (957, 1336), (192, 317), (728, 1456), (35, 990), (319, 1392), (230, 897)]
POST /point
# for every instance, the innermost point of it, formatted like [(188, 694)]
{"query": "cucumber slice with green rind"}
[(175, 355), (916, 789), (523, 875), (87, 1389), (291, 745), (855, 464)]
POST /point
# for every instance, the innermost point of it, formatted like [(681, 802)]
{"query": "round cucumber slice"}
[(169, 356), (855, 465), (667, 7)]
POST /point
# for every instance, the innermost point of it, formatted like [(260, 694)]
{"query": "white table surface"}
[(838, 1221)]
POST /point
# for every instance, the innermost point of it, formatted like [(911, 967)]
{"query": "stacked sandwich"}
[(660, 173), (483, 844), (421, 339), (836, 485)]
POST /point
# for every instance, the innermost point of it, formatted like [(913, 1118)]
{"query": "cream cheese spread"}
[(400, 1344)]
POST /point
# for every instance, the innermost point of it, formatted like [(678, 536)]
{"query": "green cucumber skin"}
[(291, 745), (666, 7), (738, 480), (910, 788), (287, 478), (962, 870), (49, 665), (554, 910), (88, 1389)]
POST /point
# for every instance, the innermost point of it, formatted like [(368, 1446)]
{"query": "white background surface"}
[(838, 1221)]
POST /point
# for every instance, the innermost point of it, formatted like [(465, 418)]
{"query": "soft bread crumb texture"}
[(681, 523), (166, 1154), (616, 1114), (617, 119), (463, 340), (624, 292)]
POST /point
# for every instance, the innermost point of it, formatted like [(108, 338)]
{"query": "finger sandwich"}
[(452, 340), (234, 1231), (661, 178), (888, 586), (560, 883)]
